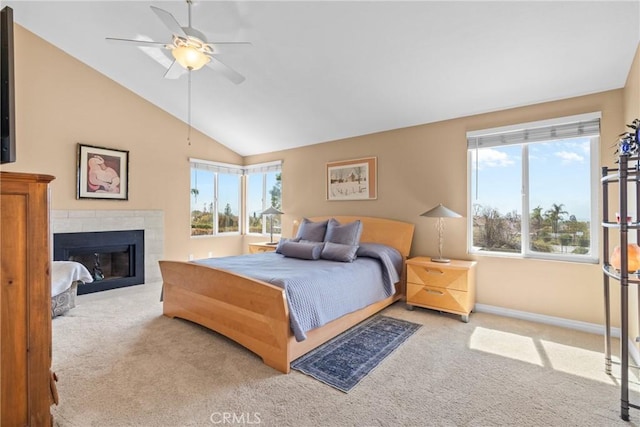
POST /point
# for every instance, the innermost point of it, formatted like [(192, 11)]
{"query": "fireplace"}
[(114, 258)]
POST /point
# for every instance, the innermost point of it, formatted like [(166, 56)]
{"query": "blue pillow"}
[(339, 252), (283, 241), (313, 231), (347, 234), (302, 250)]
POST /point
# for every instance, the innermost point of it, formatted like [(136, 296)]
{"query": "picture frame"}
[(352, 179), (103, 173)]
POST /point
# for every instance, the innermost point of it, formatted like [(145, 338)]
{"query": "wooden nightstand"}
[(255, 248), (449, 287)]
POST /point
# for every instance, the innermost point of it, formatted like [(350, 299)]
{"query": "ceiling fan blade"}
[(174, 71), (135, 42), (228, 47), (169, 21), (225, 70)]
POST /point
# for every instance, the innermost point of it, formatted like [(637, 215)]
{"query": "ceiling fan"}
[(189, 48)]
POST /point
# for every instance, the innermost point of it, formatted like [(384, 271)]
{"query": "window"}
[(264, 189), (215, 198), (533, 189)]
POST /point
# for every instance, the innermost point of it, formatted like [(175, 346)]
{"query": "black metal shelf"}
[(624, 175), (613, 273), (630, 225)]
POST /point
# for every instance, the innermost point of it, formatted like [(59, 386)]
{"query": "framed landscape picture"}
[(352, 179), (103, 173)]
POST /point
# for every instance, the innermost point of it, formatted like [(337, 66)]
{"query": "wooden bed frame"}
[(255, 313)]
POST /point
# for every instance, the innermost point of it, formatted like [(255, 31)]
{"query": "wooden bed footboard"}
[(251, 312), (254, 313)]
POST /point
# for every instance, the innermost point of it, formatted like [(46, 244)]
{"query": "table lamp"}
[(440, 212), (271, 211)]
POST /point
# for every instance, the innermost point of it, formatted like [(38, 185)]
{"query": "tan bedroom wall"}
[(66, 102), (61, 102), (421, 166)]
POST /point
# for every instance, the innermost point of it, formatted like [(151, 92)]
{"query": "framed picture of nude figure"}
[(103, 173)]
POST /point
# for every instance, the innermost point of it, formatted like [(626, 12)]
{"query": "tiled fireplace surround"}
[(151, 221)]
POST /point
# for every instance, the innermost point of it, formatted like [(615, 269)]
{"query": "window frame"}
[(525, 251), (217, 168), (260, 169)]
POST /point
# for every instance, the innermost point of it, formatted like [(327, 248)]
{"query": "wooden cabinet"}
[(449, 287), (27, 388), (255, 248)]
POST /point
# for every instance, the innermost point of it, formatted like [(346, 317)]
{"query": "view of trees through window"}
[(216, 199), (263, 190), (207, 216), (552, 230), (551, 181)]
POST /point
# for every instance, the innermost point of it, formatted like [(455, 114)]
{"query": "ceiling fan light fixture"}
[(190, 57), (188, 46)]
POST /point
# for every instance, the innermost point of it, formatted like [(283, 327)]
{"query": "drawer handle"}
[(432, 291), (433, 271)]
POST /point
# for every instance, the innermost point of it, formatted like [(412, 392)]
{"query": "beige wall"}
[(60, 102), (421, 166)]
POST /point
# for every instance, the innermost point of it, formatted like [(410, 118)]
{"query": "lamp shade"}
[(272, 211), (190, 57), (441, 211)]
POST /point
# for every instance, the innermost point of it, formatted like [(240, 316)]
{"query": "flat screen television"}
[(7, 89)]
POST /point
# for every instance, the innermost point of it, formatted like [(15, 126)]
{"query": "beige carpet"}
[(121, 363)]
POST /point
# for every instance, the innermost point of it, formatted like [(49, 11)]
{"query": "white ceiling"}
[(324, 70)]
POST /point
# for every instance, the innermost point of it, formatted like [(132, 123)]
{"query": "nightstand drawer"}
[(438, 277), (255, 248), (438, 298)]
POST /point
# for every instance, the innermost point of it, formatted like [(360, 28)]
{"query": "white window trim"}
[(261, 168), (525, 251), (216, 168), (229, 168)]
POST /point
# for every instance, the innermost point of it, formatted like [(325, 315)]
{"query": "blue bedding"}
[(319, 291)]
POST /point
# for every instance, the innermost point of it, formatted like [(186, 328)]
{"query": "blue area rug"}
[(349, 357)]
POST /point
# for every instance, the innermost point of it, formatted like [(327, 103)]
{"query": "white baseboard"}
[(559, 321)]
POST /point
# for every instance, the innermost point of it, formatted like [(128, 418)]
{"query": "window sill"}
[(559, 258)]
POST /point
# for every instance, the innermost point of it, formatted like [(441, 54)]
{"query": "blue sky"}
[(558, 173), (229, 191)]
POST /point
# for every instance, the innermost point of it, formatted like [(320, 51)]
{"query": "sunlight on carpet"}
[(560, 357), (505, 344)]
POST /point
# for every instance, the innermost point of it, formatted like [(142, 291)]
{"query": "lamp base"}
[(442, 260), (271, 243)]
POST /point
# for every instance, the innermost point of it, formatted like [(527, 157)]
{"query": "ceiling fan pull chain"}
[(189, 3), (189, 108)]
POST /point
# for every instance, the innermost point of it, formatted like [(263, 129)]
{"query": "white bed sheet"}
[(64, 273)]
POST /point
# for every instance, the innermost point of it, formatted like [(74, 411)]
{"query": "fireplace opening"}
[(115, 259)]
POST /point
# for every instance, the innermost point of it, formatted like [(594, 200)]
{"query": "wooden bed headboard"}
[(396, 234)]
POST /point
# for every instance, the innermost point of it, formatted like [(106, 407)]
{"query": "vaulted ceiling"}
[(318, 71)]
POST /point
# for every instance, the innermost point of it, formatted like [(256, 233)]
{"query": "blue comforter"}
[(320, 291)]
